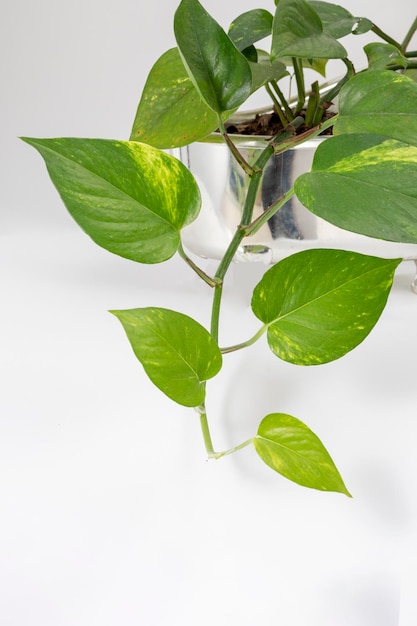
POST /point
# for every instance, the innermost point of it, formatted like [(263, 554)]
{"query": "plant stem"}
[(278, 144), (410, 66), (206, 432), (257, 224), (220, 274), (277, 105), (318, 130), (409, 35), (299, 79), (233, 149), (312, 104), (218, 455), (212, 282), (239, 234), (211, 453), (287, 140), (245, 344), (385, 37), (283, 110), (334, 91)]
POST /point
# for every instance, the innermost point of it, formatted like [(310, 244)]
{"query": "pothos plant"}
[(133, 198)]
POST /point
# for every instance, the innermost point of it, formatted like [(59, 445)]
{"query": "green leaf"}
[(171, 112), (251, 54), (250, 27), (298, 32), (320, 304), (264, 71), (219, 71), (131, 199), (383, 55), (337, 21), (363, 26), (176, 352), (365, 184), (318, 65), (363, 110), (290, 448)]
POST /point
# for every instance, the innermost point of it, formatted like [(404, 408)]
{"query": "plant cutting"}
[(134, 199)]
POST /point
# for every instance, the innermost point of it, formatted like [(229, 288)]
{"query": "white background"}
[(109, 513)]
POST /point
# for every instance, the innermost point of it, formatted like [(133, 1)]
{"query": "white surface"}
[(109, 513)]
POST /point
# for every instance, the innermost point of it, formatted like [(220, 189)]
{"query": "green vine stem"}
[(211, 453), (201, 410), (328, 96), (257, 224), (285, 140), (276, 104), (245, 344), (218, 455), (386, 37), (212, 282), (400, 46), (409, 36), (247, 168), (313, 103), (239, 234), (299, 79), (281, 106)]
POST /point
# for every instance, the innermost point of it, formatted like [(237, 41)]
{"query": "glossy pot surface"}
[(293, 228)]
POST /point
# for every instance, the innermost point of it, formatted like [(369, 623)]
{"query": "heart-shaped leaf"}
[(336, 20), (380, 102), (219, 71), (320, 304), (363, 26), (177, 353), (250, 27), (290, 448), (263, 71), (382, 55), (171, 112), (130, 198), (298, 32), (365, 184)]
